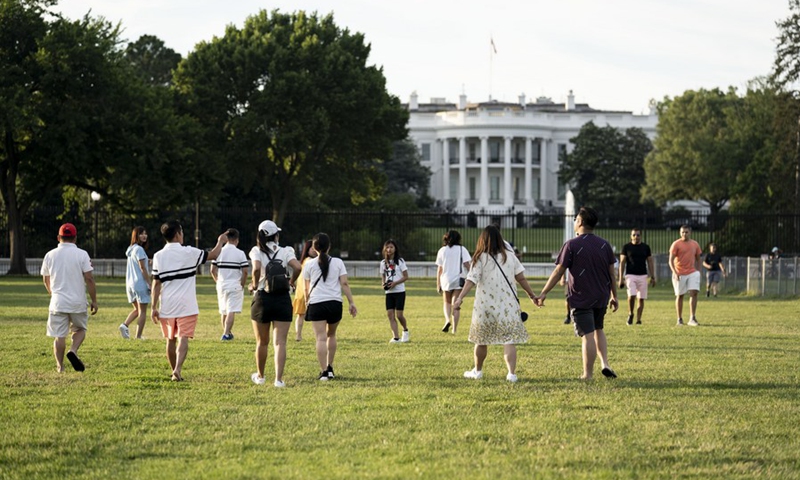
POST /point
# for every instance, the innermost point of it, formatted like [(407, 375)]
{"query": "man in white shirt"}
[(174, 270), (67, 273), (229, 271)]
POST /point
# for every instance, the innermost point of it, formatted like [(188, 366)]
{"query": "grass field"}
[(717, 401)]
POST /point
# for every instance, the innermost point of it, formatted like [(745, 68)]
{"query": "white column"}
[(462, 171), (484, 196), (544, 182), (446, 169), (508, 195), (528, 170)]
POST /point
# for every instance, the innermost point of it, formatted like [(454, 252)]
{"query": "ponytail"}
[(322, 243)]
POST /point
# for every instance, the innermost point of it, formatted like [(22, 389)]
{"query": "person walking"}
[(137, 283), (394, 274), (326, 280), (497, 318), (299, 304), (229, 272), (636, 270), (715, 270), (684, 261), (67, 275), (174, 292), (272, 301), (452, 261), (591, 288)]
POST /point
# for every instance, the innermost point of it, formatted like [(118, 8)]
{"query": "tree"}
[(786, 68), (606, 167), (697, 155), (290, 100), (152, 60)]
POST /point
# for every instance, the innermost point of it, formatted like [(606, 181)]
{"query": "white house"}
[(496, 156)]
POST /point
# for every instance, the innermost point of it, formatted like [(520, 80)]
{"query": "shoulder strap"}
[(513, 290)]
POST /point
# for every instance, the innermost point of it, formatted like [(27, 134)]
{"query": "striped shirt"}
[(230, 263), (175, 266), (587, 258)]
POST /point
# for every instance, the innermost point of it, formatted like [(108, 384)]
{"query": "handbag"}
[(523, 315)]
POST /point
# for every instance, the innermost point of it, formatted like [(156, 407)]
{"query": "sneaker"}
[(323, 376), (473, 374), (567, 320), (708, 293), (124, 331), (329, 371), (693, 322), (638, 322), (394, 340), (227, 336), (680, 322), (258, 380), (279, 384), (405, 338), (630, 319), (511, 378)]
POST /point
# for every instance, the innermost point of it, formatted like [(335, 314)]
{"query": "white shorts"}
[(637, 286), (686, 283), (59, 324), (230, 300)]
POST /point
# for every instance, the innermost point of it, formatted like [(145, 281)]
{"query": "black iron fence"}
[(360, 235)]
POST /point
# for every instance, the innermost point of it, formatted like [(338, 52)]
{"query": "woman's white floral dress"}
[(495, 312)]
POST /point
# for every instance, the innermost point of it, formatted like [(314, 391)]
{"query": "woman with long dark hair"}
[(452, 261), (299, 305), (394, 274), (137, 283), (272, 302), (496, 312), (326, 280)]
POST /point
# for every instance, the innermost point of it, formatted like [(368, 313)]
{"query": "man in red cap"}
[(67, 274)]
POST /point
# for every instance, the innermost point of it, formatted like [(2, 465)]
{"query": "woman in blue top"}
[(137, 283)]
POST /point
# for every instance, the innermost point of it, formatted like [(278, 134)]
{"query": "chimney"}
[(413, 103), (522, 100), (462, 101), (570, 101)]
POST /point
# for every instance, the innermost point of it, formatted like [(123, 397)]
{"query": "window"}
[(536, 153), (472, 189), (471, 149), (494, 187), (453, 188), (535, 189), (517, 188), (426, 152), (494, 151), (562, 188)]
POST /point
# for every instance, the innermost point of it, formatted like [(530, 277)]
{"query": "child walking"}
[(394, 274)]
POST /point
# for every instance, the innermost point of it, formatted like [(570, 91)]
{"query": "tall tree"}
[(291, 101), (786, 68), (697, 155), (606, 167), (152, 60)]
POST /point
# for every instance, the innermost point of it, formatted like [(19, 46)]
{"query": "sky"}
[(613, 54)]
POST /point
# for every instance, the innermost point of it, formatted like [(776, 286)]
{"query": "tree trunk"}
[(17, 242), (8, 189)]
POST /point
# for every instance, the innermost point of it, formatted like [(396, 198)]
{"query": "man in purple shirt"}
[(590, 261)]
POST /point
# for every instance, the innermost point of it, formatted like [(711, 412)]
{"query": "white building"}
[(520, 141)]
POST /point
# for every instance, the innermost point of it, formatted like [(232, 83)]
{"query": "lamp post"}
[(95, 198)]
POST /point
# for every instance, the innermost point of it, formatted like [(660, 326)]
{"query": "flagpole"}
[(491, 65)]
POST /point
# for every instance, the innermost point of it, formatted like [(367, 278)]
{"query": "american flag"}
[(491, 40)]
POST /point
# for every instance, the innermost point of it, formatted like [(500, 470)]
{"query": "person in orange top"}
[(684, 261)]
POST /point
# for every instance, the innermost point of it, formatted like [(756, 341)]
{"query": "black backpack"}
[(277, 279)]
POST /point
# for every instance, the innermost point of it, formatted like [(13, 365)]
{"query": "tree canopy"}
[(606, 167), (290, 101), (786, 68)]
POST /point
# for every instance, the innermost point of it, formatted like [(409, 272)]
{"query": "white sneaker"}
[(124, 331), (258, 380), (279, 384), (511, 378), (405, 336), (395, 340), (473, 374), (693, 322)]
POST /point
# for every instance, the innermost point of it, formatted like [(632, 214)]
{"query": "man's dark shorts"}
[(396, 301), (330, 311), (587, 320)]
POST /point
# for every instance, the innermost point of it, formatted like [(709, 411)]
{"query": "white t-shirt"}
[(449, 259), (175, 266), (393, 273), (329, 288), (230, 263), (284, 254), (65, 265)]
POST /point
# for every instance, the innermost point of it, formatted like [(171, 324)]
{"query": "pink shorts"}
[(637, 286), (173, 328)]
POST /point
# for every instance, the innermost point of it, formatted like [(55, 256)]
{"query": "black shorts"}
[(271, 307), (330, 311), (587, 320), (396, 301)]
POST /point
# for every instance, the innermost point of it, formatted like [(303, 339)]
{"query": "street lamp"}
[(95, 198)]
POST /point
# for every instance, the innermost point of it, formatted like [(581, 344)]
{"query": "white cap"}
[(269, 227), (774, 249)]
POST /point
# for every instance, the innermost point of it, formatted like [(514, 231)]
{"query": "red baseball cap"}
[(67, 230)]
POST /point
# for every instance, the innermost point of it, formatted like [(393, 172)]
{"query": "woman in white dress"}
[(496, 313), (452, 261)]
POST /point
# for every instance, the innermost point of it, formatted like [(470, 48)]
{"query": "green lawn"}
[(717, 401)]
